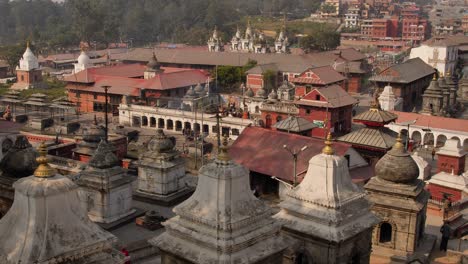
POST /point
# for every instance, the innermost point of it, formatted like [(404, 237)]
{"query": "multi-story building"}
[(413, 27), (379, 28), (439, 52), (352, 17), (334, 3)]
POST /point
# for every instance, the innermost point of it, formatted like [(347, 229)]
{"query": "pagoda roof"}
[(382, 138), (376, 115), (295, 124)]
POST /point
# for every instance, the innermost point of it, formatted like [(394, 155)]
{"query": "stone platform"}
[(422, 254), (165, 200), (125, 220)]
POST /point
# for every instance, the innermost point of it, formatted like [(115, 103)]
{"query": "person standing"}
[(433, 153), (445, 230)]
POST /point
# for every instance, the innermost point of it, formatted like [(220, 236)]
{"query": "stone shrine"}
[(28, 72), (58, 229), (19, 162), (326, 216), (222, 222), (105, 187), (400, 201), (433, 99), (91, 137), (161, 172)]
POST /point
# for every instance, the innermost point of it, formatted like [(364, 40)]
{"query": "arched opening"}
[(385, 233), (268, 121), (429, 139), (160, 123), (178, 126), (187, 126), (196, 128), (206, 129), (457, 139), (416, 137), (441, 140), (152, 122), (465, 144), (170, 124), (404, 133), (144, 121), (301, 258), (257, 109)]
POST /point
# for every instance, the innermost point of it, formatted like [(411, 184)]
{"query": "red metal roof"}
[(261, 150), (131, 86), (446, 123)]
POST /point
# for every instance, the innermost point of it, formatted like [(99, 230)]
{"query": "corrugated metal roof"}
[(376, 115), (454, 124), (334, 95), (382, 138), (261, 150), (295, 124), (406, 72)]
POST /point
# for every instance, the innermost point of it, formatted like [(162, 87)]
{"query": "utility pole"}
[(106, 88), (295, 154)]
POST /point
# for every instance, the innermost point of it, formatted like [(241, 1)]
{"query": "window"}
[(78, 95), (22, 77), (385, 233), (235, 132), (308, 111), (308, 89), (95, 96), (215, 129), (317, 97)]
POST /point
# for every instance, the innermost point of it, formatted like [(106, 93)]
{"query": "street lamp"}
[(106, 88), (295, 154), (408, 123)]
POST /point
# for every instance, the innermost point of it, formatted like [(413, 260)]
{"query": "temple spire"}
[(223, 150), (43, 170), (328, 149)]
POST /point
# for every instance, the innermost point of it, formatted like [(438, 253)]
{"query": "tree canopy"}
[(54, 25)]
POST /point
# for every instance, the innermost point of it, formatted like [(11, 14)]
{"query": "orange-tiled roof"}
[(446, 123)]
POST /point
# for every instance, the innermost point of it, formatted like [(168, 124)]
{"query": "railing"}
[(289, 109)]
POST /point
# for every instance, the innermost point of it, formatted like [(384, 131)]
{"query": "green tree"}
[(12, 54), (270, 79), (328, 8)]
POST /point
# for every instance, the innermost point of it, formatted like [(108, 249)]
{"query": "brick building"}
[(330, 108), (412, 26), (316, 78), (380, 28), (408, 80), (85, 87)]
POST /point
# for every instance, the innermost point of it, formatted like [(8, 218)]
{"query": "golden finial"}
[(43, 170), (399, 143), (223, 150), (27, 44), (434, 78), (328, 149)]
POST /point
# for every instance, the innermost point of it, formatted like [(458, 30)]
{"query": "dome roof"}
[(20, 160), (160, 143), (29, 55), (198, 88), (397, 165), (104, 156), (84, 58), (190, 92), (261, 93), (249, 92), (273, 95), (94, 134)]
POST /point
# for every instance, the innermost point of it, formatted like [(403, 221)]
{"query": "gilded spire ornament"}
[(434, 78), (399, 143), (223, 150), (328, 149), (43, 170)]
